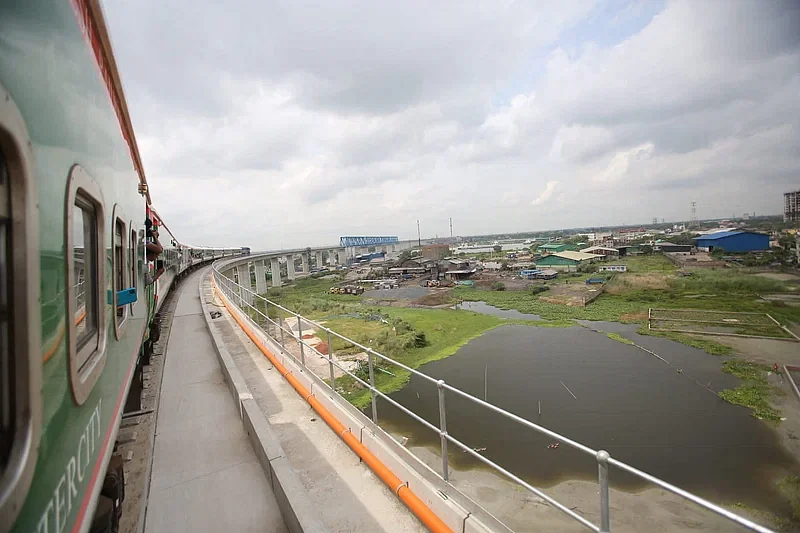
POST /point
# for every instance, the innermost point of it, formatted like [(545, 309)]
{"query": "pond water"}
[(636, 407), (486, 309)]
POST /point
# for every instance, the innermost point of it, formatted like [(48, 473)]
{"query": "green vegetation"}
[(777, 522), (619, 338), (310, 298), (603, 308), (652, 281), (445, 331), (754, 392), (789, 488), (709, 346)]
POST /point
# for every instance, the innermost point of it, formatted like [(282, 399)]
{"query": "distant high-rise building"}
[(791, 206)]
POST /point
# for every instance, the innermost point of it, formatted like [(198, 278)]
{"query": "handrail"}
[(241, 294)]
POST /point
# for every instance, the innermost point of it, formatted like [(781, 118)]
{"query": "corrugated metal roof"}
[(598, 248), (722, 234), (575, 256)]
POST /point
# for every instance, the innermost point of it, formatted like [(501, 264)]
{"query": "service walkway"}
[(206, 476)]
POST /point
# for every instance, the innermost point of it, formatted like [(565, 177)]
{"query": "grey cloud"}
[(391, 111)]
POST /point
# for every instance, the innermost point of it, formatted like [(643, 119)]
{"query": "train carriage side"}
[(67, 165)]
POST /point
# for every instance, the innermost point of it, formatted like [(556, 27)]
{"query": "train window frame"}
[(24, 315), (133, 268), (119, 219), (87, 363)]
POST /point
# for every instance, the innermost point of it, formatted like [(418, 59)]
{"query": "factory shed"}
[(733, 241)]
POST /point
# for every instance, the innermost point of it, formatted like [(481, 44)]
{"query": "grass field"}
[(652, 281), (706, 321), (446, 330)]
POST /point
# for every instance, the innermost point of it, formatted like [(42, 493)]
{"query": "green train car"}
[(76, 313)]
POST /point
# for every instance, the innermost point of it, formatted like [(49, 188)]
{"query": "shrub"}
[(498, 286), (538, 289)]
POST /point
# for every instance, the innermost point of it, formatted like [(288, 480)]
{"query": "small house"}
[(613, 268), (547, 273)]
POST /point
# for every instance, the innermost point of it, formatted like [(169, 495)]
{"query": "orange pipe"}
[(401, 490)]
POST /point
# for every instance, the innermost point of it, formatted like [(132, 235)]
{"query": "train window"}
[(20, 320), (87, 285), (132, 261), (120, 271), (84, 254)]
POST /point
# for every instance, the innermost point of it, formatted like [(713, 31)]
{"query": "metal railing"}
[(244, 297)]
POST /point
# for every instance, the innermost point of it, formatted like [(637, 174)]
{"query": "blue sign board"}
[(365, 241)]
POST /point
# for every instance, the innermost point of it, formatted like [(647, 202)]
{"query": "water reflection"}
[(486, 309), (633, 405)]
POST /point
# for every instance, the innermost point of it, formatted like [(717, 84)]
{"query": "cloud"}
[(546, 194), (286, 124), (620, 165)]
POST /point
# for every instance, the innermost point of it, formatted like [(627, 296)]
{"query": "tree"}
[(684, 238), (785, 252), (497, 248)]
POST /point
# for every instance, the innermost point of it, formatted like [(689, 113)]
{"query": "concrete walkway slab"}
[(345, 492), (206, 477)]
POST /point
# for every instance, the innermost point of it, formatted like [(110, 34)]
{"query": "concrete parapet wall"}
[(455, 509), (297, 510)]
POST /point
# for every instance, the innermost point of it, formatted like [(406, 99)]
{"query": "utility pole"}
[(419, 235), (451, 227)]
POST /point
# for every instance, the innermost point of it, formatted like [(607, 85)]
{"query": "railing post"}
[(300, 340), (330, 361), (443, 429), (280, 325), (602, 466), (372, 387)]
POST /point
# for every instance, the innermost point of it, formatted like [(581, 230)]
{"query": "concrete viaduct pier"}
[(281, 265)]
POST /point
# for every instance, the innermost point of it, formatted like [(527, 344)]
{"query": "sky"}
[(283, 124)]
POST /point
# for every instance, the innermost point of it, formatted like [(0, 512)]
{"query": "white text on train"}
[(65, 493)]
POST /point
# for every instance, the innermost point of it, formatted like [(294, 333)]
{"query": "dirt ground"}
[(572, 293), (779, 276), (511, 281), (769, 352), (652, 510)]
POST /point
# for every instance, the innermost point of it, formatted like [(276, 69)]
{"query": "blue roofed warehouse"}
[(733, 241)]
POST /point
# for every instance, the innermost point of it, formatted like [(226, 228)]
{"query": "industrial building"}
[(435, 251), (733, 241), (566, 260), (791, 206), (629, 249), (601, 250), (554, 247), (669, 247)]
